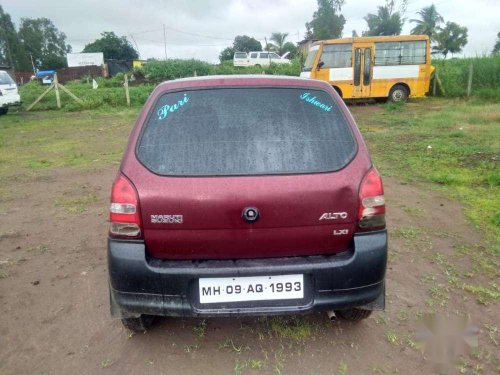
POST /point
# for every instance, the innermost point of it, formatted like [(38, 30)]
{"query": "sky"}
[(201, 29)]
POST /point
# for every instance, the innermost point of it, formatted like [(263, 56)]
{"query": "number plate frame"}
[(251, 288)]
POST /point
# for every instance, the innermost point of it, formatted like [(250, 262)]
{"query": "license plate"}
[(255, 288)]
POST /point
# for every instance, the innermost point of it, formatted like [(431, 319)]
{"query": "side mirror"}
[(320, 65)]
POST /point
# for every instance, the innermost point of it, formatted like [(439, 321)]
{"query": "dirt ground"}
[(55, 312)]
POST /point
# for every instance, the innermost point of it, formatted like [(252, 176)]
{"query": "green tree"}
[(496, 48), (387, 21), (113, 47), (290, 47), (41, 39), (280, 46), (451, 39), (277, 42), (9, 42), (327, 22), (429, 22), (226, 54), (242, 43)]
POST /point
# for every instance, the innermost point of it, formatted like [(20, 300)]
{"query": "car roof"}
[(242, 80)]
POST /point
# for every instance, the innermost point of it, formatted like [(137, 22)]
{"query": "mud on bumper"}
[(141, 285)]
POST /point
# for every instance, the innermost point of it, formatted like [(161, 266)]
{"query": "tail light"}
[(124, 213), (371, 211)]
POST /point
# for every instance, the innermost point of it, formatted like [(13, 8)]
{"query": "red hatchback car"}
[(246, 195)]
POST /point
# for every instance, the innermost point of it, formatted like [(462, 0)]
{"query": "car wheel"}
[(354, 314), (398, 93), (3, 111), (258, 66), (140, 324)]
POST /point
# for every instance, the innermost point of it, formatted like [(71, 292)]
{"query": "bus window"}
[(413, 52), (337, 55), (400, 53), (357, 66), (367, 67), (311, 56)]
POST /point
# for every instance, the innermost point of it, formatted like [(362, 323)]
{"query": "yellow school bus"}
[(394, 67)]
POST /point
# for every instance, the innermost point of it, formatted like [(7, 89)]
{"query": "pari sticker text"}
[(164, 111)]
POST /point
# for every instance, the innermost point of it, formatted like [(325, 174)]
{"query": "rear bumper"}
[(10, 100), (140, 285)]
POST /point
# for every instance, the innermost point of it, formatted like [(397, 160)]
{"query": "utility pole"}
[(33, 64), (136, 46), (165, 41)]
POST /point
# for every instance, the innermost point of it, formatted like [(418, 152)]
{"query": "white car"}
[(9, 95), (259, 58)]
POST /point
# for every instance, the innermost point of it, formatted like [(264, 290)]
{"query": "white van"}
[(8, 92), (259, 58)]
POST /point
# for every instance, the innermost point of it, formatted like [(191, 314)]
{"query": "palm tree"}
[(387, 21), (279, 42), (429, 22), (450, 39)]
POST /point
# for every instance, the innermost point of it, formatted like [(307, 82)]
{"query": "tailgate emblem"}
[(166, 219), (333, 215), (250, 214)]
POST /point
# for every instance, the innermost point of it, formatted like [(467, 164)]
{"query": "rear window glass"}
[(245, 131)]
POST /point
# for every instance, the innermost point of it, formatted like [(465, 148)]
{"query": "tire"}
[(257, 66), (140, 324), (4, 110), (338, 91), (354, 314), (398, 93)]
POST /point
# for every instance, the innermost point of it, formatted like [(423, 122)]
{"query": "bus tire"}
[(398, 93), (338, 91), (4, 110)]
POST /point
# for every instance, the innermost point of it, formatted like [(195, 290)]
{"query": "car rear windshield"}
[(5, 79), (245, 131)]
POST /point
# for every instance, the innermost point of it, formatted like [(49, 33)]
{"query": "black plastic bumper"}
[(141, 285)]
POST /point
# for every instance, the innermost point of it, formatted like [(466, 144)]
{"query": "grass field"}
[(453, 145), (454, 75)]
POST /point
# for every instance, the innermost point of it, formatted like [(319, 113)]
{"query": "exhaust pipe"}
[(332, 316)]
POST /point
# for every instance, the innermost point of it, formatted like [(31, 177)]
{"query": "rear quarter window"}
[(245, 131)]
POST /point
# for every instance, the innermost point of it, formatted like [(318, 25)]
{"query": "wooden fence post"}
[(127, 94), (434, 84), (75, 98), (40, 97), (56, 86), (469, 83)]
